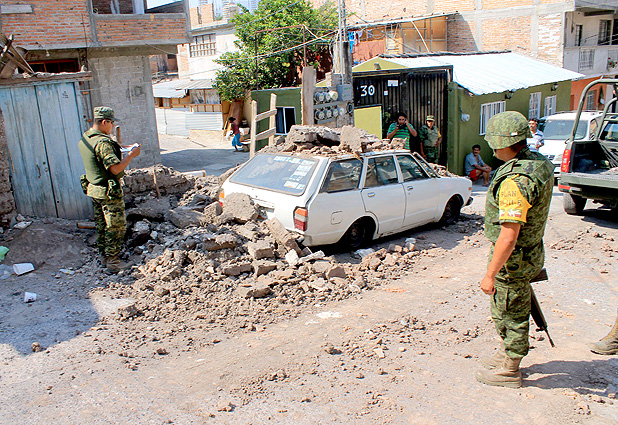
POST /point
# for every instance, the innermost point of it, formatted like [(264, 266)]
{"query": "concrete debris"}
[(167, 179), (240, 207), (261, 267), (292, 257), (260, 249), (182, 217), (282, 236)]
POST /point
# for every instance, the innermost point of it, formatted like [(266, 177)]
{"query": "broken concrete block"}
[(292, 258), (260, 249), (127, 311), (255, 291), (282, 236), (390, 260), (161, 291), (182, 217), (241, 207), (282, 274), (212, 211), (261, 267), (171, 274), (245, 267), (339, 281), (336, 272), (231, 270), (320, 267), (220, 242), (353, 137), (246, 232), (319, 285), (315, 256)]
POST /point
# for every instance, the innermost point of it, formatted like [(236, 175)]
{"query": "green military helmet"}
[(506, 128)]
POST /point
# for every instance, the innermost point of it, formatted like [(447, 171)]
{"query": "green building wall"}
[(462, 135), (288, 96)]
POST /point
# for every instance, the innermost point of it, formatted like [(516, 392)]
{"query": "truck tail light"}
[(300, 218), (566, 161), (221, 197), (564, 187)]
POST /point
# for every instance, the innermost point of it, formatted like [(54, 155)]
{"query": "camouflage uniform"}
[(99, 153), (429, 137), (520, 193)]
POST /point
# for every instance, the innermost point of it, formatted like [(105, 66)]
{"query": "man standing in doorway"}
[(104, 168), (402, 129), (431, 139), (515, 217)]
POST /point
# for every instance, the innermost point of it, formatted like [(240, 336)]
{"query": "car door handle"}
[(410, 187), (371, 194)]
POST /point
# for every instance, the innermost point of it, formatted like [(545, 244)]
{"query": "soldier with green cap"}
[(515, 217), (105, 167), (431, 139)]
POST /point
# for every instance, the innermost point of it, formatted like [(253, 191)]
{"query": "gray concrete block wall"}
[(124, 84)]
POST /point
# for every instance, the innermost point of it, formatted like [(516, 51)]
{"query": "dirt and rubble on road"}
[(226, 318)]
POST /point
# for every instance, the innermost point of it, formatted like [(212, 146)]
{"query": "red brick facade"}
[(51, 24), (113, 29)]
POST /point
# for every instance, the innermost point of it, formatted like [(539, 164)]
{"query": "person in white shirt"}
[(536, 141)]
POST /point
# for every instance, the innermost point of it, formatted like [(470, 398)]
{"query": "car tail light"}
[(563, 187), (221, 197), (300, 218), (566, 161)]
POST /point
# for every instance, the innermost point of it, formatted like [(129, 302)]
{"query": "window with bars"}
[(550, 105), (534, 106), (579, 29), (488, 110), (203, 45), (591, 97), (586, 59), (605, 31)]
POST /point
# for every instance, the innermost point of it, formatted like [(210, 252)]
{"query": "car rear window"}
[(282, 173)]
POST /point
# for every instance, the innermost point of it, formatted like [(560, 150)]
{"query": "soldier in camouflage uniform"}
[(515, 217), (431, 139), (104, 168)]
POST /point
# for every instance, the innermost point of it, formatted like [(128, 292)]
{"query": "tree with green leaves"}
[(275, 32)]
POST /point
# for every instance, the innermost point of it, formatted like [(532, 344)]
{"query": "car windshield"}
[(282, 173), (560, 129)]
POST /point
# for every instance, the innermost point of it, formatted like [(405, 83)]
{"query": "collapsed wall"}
[(8, 209)]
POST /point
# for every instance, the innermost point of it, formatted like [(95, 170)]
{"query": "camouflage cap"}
[(430, 118), (506, 128), (104, 113)]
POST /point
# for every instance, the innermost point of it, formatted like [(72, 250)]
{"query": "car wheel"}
[(573, 204), (358, 235), (451, 212)]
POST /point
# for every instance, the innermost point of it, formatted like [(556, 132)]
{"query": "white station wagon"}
[(349, 199)]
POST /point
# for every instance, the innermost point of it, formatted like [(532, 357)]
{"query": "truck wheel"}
[(358, 235), (573, 204), (451, 213)]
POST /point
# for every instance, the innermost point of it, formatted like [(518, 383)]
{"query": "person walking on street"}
[(402, 129), (104, 168), (236, 134), (431, 139), (516, 213)]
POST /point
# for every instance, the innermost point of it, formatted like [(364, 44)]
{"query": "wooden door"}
[(43, 125)]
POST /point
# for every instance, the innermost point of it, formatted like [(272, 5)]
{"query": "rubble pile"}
[(315, 140)]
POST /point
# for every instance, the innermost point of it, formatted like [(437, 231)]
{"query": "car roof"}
[(340, 155), (570, 115)]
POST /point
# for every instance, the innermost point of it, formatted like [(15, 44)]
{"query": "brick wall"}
[(550, 39), (124, 83), (507, 33), (460, 35), (7, 201), (201, 15), (53, 22), (115, 29), (104, 6)]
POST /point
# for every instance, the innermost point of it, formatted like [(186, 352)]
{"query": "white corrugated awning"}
[(483, 73), (168, 90), (195, 84)]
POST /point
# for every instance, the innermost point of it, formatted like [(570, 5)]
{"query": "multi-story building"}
[(579, 35), (111, 38)]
